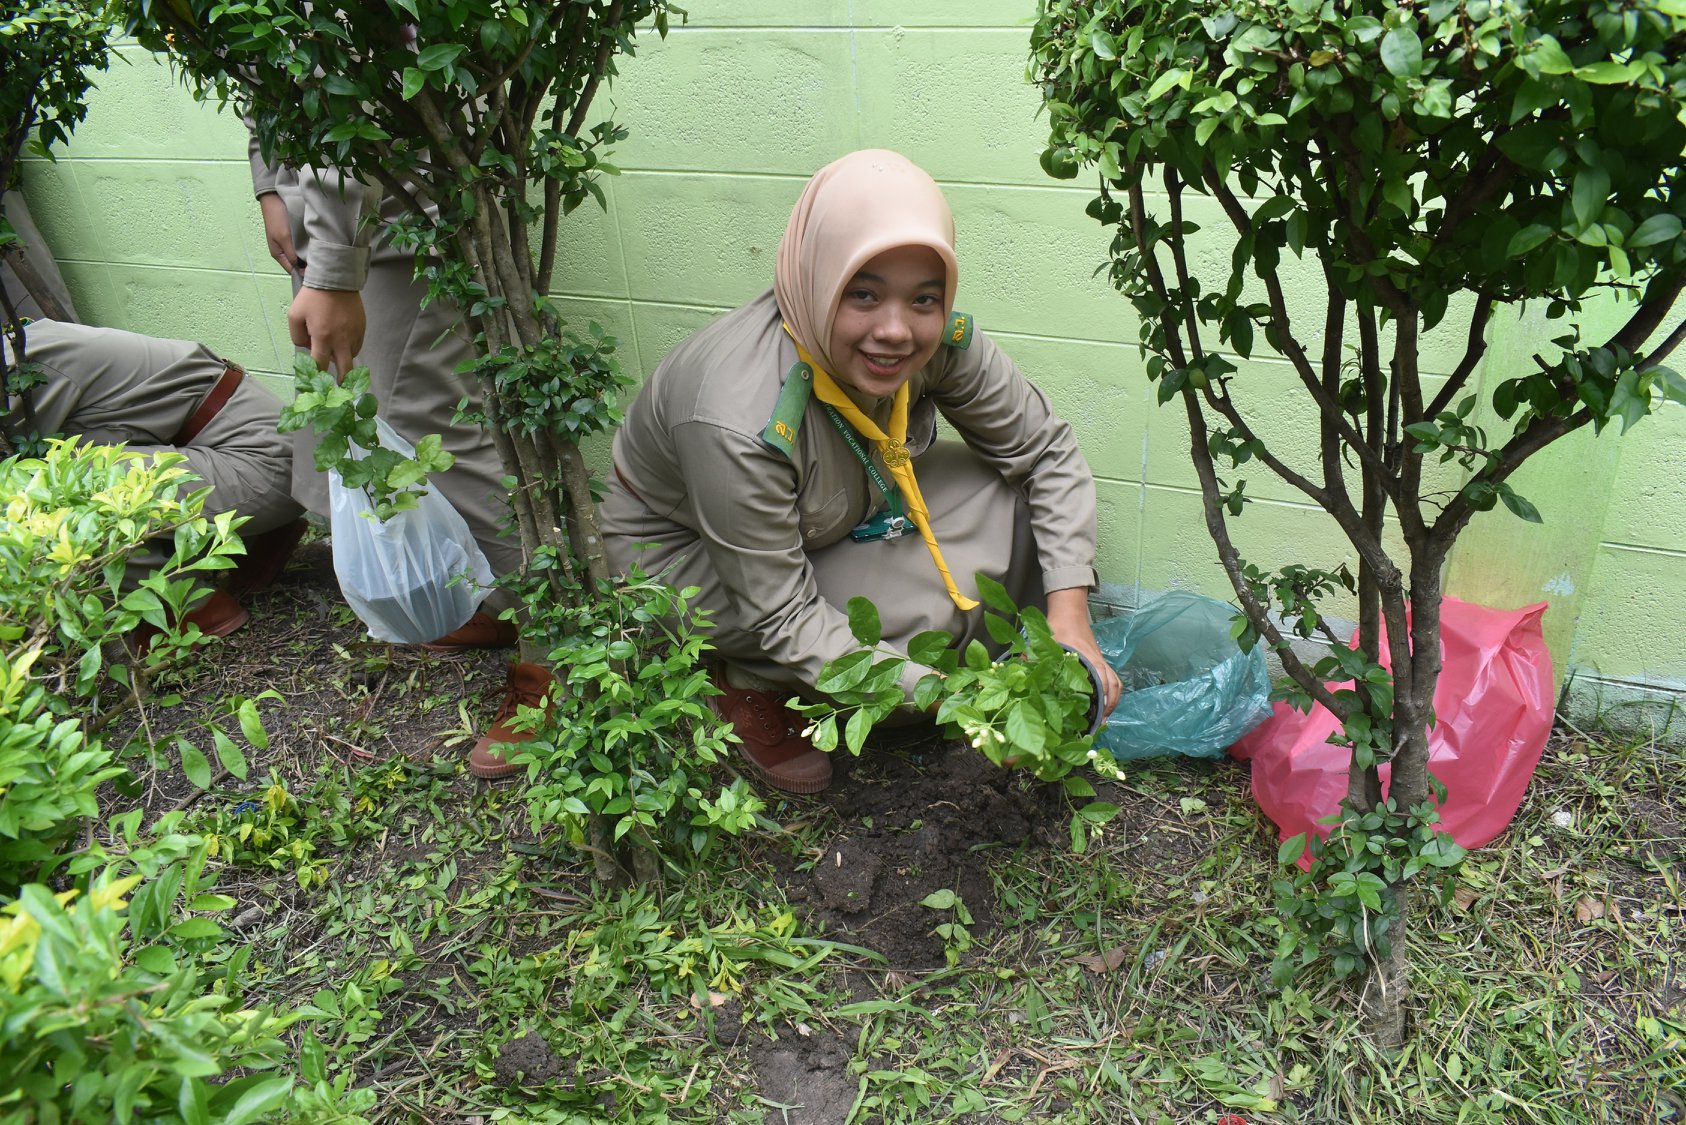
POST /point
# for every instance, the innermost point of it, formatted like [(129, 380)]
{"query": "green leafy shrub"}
[(95, 1027), (49, 774), (632, 737), (73, 519), (1029, 708)]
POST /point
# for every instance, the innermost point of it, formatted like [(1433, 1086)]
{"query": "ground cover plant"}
[(1433, 166), (457, 962)]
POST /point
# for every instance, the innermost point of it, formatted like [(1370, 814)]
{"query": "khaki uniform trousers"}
[(982, 524), (110, 386), (412, 352)]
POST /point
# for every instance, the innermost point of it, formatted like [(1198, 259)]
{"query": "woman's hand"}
[(1068, 617), (278, 232)]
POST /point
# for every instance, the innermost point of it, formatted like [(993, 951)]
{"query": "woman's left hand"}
[(1068, 617)]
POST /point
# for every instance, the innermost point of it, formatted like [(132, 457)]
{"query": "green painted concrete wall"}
[(150, 214)]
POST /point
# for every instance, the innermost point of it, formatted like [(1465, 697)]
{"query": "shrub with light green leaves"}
[(73, 520), (94, 1028)]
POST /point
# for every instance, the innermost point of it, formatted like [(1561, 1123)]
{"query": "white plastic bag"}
[(413, 578)]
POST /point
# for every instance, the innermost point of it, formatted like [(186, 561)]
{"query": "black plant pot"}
[(1098, 699)]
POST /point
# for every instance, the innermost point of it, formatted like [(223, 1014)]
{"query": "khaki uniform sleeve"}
[(338, 219), (748, 522), (263, 172), (1007, 420)]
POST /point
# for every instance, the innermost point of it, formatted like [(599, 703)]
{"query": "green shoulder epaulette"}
[(959, 331), (786, 421)]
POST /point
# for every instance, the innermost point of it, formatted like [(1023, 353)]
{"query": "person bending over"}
[(786, 458)]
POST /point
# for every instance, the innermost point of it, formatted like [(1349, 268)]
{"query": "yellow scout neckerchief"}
[(893, 446)]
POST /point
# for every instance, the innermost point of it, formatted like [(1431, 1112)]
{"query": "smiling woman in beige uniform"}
[(735, 474)]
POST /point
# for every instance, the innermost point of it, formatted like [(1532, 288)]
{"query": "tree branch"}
[(1474, 349), (1218, 528)]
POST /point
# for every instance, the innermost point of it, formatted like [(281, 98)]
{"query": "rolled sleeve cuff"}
[(1068, 577), (336, 266)]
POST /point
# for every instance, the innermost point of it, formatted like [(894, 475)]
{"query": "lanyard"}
[(865, 459)]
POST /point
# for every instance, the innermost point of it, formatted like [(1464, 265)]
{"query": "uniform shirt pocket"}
[(822, 520)]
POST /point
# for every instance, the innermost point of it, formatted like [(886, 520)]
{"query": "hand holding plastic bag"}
[(413, 578), (1188, 687)]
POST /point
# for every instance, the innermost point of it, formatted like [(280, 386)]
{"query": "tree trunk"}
[(1382, 1005)]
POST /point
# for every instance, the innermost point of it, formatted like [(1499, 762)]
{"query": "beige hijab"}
[(854, 209)]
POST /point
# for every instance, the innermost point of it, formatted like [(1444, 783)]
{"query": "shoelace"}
[(771, 727), (514, 699)]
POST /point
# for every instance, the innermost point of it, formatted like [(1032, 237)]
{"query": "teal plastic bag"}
[(1188, 687)]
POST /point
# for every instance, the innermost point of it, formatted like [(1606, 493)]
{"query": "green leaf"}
[(263, 1095), (863, 621), (1546, 56), (844, 673), (1026, 730), (927, 648), (1662, 227), (251, 725), (1592, 189), (1291, 849), (192, 928), (1402, 52), (1526, 239), (414, 80), (1171, 78), (854, 734), (439, 56), (158, 960), (1609, 72), (1519, 506), (939, 900), (211, 902), (229, 754), (1101, 43), (193, 764), (995, 595)]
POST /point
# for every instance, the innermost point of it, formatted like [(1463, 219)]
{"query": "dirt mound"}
[(917, 818)]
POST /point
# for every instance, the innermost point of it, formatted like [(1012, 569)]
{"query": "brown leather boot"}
[(480, 631), (529, 685), (771, 737), (217, 616)]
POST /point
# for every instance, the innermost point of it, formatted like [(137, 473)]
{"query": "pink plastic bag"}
[(1494, 706)]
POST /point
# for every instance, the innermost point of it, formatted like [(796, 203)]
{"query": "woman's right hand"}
[(278, 231)]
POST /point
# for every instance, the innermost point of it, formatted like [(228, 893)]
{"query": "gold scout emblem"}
[(895, 454)]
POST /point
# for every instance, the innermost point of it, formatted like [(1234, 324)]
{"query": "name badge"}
[(880, 525)]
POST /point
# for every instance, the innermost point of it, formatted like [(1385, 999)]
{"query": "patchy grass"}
[(463, 967)]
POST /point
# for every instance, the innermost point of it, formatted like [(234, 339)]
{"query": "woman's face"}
[(889, 320)]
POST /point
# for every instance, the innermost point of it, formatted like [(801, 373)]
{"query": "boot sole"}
[(800, 788)]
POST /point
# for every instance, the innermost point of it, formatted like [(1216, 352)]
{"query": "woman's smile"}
[(889, 319)]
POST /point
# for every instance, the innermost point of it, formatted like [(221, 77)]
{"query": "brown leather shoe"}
[(480, 631), (528, 686), (265, 558), (771, 738), (217, 616)]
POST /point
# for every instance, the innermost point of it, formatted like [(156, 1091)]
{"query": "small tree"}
[(478, 108), (1438, 162), (473, 114)]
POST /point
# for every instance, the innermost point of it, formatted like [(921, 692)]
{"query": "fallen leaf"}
[(1464, 897), (1588, 908), (1105, 962)]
